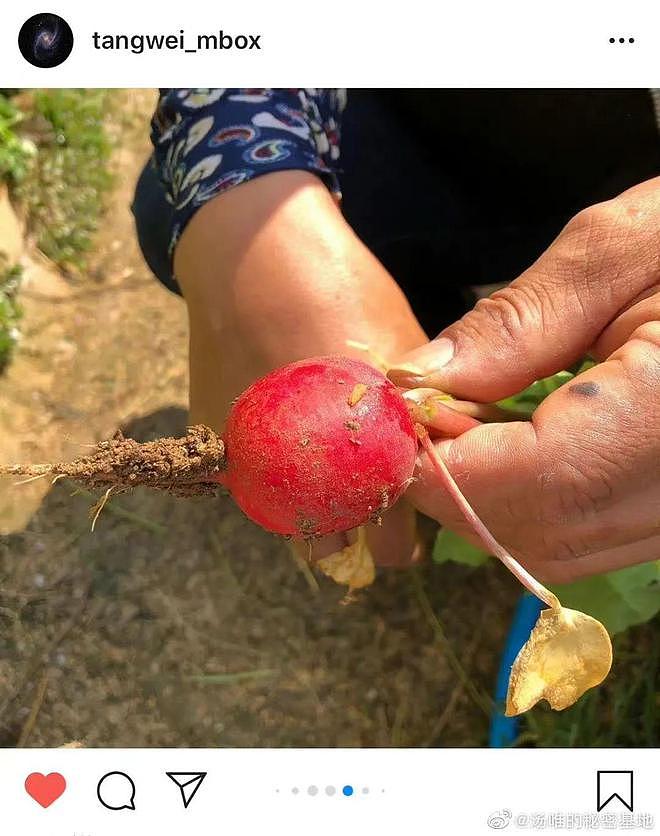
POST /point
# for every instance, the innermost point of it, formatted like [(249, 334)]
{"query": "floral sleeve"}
[(208, 140)]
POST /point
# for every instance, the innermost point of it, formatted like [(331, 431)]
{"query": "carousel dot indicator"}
[(347, 790)]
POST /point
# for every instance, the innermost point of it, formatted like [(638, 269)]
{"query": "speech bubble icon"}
[(116, 791)]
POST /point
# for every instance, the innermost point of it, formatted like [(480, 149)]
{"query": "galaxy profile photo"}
[(45, 40)]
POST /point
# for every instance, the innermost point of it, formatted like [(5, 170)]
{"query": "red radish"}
[(326, 445), (319, 446)]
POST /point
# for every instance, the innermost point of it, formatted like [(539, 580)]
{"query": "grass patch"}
[(10, 310), (54, 156), (15, 152), (63, 188)]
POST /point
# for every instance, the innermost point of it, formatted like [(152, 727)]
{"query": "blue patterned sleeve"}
[(208, 140)]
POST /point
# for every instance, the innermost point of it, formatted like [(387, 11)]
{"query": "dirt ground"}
[(177, 622)]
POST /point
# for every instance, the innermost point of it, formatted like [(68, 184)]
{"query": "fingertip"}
[(393, 543), (315, 550), (423, 364), (404, 378)]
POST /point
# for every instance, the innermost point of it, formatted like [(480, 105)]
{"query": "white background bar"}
[(509, 43), (430, 791)]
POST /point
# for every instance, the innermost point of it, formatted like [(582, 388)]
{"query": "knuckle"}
[(641, 358), (600, 221), (508, 313), (648, 333), (611, 250), (596, 242)]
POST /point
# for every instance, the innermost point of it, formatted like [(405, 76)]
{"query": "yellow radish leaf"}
[(353, 565), (567, 653)]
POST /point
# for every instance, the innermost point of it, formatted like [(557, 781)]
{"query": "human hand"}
[(272, 273), (576, 491)]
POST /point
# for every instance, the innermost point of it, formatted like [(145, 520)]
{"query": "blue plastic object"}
[(504, 730)]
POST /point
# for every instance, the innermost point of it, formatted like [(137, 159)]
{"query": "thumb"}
[(553, 313)]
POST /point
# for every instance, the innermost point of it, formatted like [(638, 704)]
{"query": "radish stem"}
[(479, 527)]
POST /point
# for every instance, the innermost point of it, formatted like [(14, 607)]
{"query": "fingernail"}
[(423, 363)]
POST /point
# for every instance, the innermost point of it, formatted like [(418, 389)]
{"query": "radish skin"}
[(319, 446)]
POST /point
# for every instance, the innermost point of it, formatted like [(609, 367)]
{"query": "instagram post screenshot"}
[(329, 418)]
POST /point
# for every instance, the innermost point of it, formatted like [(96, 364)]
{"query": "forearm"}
[(271, 272)]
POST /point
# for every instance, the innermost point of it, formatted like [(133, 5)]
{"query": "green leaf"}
[(527, 400), (450, 546), (618, 599)]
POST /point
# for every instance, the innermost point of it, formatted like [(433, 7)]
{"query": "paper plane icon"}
[(188, 783)]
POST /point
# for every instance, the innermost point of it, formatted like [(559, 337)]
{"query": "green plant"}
[(15, 152), (64, 188), (10, 311)]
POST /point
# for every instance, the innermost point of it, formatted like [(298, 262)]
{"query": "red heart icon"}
[(45, 789)]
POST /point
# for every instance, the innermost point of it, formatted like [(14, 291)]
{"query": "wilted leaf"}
[(567, 653), (353, 566), (450, 546)]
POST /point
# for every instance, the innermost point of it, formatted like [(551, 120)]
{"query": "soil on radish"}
[(181, 466)]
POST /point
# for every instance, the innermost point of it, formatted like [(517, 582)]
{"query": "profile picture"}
[(45, 40)]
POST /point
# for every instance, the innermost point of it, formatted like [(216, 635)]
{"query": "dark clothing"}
[(452, 189)]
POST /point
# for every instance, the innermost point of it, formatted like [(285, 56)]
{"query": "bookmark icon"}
[(188, 784), (614, 785)]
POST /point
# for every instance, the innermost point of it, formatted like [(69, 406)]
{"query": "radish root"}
[(181, 466), (479, 527)]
